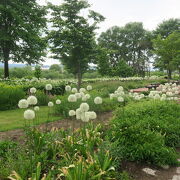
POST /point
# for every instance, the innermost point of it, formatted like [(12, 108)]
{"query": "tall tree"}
[(168, 52), (21, 25), (72, 39), (130, 44), (167, 27)]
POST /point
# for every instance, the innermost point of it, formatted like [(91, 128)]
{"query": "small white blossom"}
[(50, 104), (68, 88), (36, 108), (98, 100), (84, 107), (29, 114), (120, 99), (72, 98), (89, 87), (48, 87), (23, 103), (32, 100), (72, 113), (33, 90), (74, 90), (58, 101)]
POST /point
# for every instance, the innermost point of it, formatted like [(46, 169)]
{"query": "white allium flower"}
[(58, 101), (78, 95), (68, 88), (88, 96), (120, 88), (50, 104), (91, 114), (36, 108), (157, 96), (23, 103), (29, 114), (84, 118), (169, 94), (176, 92), (120, 99), (89, 87), (137, 98), (84, 98), (121, 93), (72, 98), (78, 113), (142, 96), (72, 113), (82, 90), (32, 90), (32, 100), (74, 90), (98, 100), (48, 87), (84, 107), (163, 98), (164, 95)]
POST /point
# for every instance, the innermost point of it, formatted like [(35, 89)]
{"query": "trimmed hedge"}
[(10, 96)]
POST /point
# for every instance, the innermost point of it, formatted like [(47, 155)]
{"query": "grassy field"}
[(14, 119)]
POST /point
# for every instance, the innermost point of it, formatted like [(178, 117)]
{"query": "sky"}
[(120, 12)]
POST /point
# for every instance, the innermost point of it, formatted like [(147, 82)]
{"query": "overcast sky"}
[(120, 12)]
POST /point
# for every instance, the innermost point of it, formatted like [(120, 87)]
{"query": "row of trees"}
[(120, 51)]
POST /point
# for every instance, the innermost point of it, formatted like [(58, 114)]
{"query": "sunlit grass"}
[(14, 119)]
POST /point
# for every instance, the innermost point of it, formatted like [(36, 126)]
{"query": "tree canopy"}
[(72, 39), (21, 25)]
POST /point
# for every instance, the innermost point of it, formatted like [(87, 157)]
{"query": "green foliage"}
[(6, 146), (73, 38), (129, 45), (168, 52), (147, 131), (37, 72), (22, 23), (10, 96), (43, 98), (55, 67), (167, 27), (66, 154)]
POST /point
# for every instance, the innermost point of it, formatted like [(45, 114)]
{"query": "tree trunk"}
[(6, 65), (169, 74), (79, 77)]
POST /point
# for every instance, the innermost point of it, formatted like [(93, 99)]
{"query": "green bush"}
[(43, 99), (10, 96), (147, 131)]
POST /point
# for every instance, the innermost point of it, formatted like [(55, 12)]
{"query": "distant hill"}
[(22, 65)]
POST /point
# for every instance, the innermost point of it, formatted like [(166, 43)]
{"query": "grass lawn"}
[(14, 119)]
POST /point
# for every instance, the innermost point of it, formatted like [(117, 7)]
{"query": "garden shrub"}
[(10, 96), (147, 131)]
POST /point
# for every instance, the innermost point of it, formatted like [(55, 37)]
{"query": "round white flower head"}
[(84, 107), (137, 98), (72, 113), (68, 88), (58, 101), (23, 103), (72, 98), (163, 98), (50, 104), (36, 108), (120, 99), (120, 88), (85, 117), (32, 100), (84, 98), (88, 96), (89, 87), (78, 113), (91, 114), (82, 90), (48, 87), (157, 96), (32, 90), (29, 114), (74, 90), (98, 100), (78, 95), (142, 96)]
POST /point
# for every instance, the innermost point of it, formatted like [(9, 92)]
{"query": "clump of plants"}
[(147, 131)]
